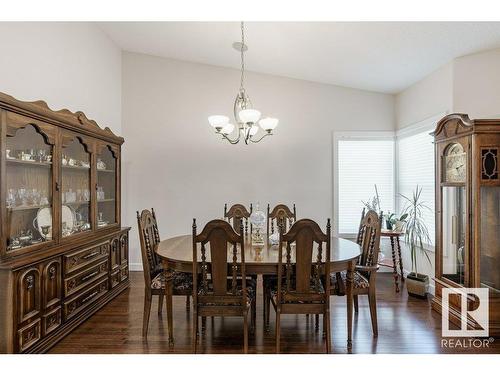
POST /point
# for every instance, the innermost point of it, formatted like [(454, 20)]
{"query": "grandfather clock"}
[(467, 242)]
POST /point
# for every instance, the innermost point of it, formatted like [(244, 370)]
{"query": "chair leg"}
[(170, 315), (316, 322), (268, 309), (160, 303), (326, 323), (355, 299), (188, 303), (195, 331), (254, 314), (245, 332), (372, 300), (203, 324), (278, 316), (147, 310)]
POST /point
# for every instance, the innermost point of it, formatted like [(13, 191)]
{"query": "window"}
[(360, 164), (395, 165), (415, 166)]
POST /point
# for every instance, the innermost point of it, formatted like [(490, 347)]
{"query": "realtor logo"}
[(479, 313)]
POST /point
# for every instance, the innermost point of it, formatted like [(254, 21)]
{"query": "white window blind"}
[(416, 166), (361, 164)]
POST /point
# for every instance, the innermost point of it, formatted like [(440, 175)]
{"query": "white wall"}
[(174, 162), (426, 98), (68, 65), (476, 85)]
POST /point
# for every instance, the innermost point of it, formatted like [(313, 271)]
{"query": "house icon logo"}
[(474, 308)]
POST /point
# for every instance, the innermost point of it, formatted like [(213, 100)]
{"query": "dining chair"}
[(223, 288), (299, 288), (364, 282), (154, 276), (280, 213), (237, 215)]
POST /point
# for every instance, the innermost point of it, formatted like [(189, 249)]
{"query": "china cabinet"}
[(63, 253), (468, 212)]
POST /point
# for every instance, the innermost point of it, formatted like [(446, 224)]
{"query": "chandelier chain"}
[(242, 56)]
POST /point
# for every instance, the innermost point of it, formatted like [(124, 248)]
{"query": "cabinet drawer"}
[(29, 335), (77, 260), (51, 320), (85, 298), (85, 277)]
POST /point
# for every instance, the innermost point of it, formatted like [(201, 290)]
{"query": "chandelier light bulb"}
[(249, 116), (268, 124), (227, 129), (218, 121)]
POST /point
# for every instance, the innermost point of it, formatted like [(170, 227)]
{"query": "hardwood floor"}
[(406, 325)]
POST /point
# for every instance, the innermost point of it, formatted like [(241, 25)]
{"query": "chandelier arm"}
[(261, 138), (232, 141)]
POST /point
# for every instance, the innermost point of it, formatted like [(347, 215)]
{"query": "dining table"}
[(176, 254)]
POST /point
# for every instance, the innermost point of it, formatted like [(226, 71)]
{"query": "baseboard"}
[(135, 266)]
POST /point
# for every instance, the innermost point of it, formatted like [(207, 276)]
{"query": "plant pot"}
[(398, 225), (388, 225), (417, 284)]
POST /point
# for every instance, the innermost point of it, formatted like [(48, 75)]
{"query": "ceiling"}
[(377, 56)]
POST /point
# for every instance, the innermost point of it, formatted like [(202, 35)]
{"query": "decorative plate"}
[(44, 219), (68, 217)]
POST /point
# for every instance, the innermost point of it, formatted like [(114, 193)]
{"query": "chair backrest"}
[(359, 239), (304, 284), (221, 286), (280, 213), (237, 215), (149, 237), (370, 238)]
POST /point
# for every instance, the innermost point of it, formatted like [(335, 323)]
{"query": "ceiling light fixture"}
[(245, 116)]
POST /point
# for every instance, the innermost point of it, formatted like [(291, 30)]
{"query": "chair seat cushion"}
[(182, 281), (251, 287), (338, 286), (273, 288)]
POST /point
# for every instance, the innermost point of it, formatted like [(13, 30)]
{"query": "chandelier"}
[(245, 115)]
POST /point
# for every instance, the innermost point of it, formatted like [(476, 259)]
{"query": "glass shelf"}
[(75, 192), (28, 177), (106, 187)]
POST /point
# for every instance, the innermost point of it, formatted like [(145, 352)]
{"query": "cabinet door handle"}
[(91, 255), (57, 186), (89, 276), (86, 299)]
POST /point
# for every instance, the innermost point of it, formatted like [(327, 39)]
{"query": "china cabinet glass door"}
[(75, 188), (106, 187), (29, 173)]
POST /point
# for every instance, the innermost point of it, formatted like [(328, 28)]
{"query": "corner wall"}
[(68, 65)]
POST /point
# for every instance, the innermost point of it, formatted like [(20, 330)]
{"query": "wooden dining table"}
[(176, 253)]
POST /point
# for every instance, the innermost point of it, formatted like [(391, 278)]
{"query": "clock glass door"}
[(454, 233)]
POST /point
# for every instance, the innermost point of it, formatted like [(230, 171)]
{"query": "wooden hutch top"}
[(459, 124), (75, 121)]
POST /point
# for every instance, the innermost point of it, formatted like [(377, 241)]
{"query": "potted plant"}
[(399, 223), (416, 235), (374, 202), (392, 222)]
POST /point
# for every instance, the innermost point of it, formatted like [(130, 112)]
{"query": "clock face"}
[(455, 164)]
